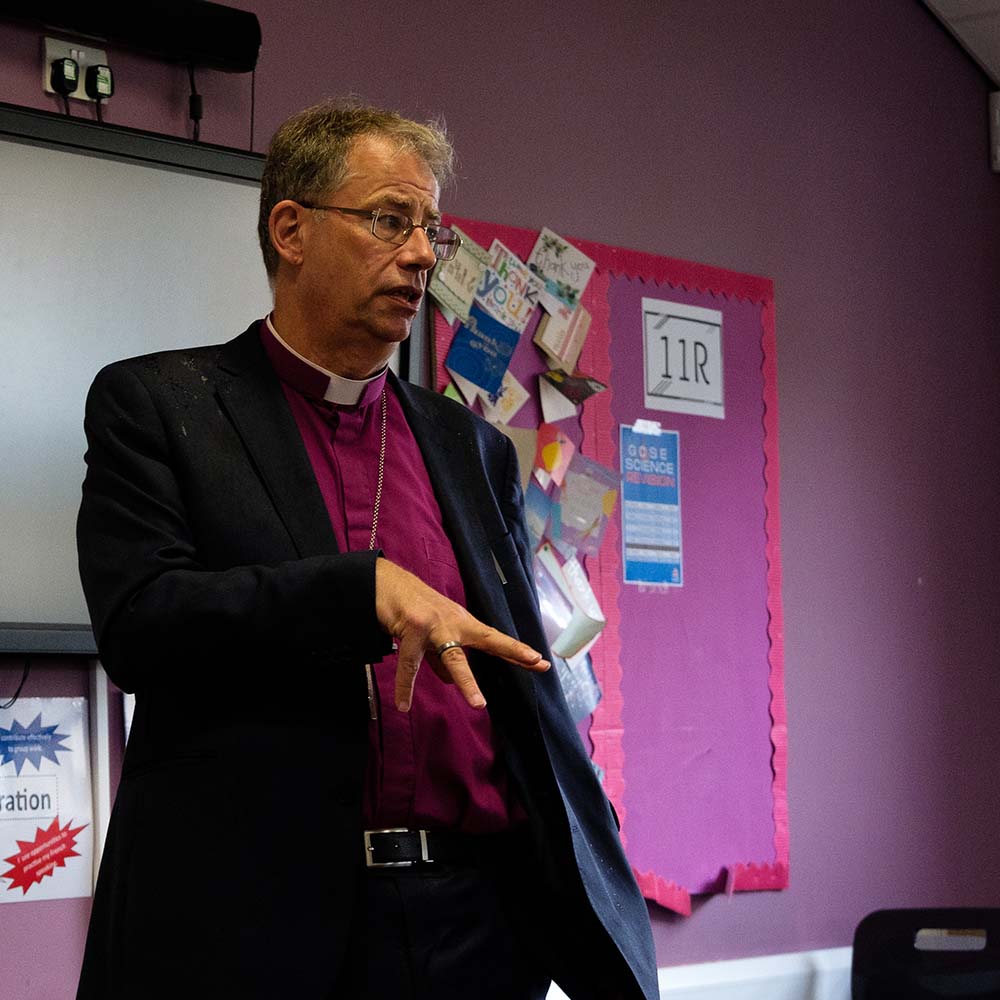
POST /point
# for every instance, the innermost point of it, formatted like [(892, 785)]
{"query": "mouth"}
[(406, 295)]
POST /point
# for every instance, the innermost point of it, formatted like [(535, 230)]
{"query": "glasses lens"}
[(446, 243), (391, 227)]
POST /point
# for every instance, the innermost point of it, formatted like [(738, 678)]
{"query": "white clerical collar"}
[(341, 391)]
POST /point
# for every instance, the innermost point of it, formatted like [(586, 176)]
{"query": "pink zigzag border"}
[(606, 724)]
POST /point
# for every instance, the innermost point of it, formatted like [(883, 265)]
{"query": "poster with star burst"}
[(46, 835)]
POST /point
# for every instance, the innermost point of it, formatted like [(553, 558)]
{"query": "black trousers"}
[(443, 932)]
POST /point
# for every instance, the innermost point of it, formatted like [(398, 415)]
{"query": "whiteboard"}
[(103, 258)]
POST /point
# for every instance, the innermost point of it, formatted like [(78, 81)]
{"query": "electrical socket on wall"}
[(85, 55)]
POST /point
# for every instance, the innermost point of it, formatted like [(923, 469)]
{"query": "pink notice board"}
[(690, 733)]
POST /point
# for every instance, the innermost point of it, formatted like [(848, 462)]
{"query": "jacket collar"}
[(250, 393), (450, 452)]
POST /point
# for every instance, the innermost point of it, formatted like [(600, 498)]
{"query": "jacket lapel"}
[(450, 460), (453, 465), (251, 394)]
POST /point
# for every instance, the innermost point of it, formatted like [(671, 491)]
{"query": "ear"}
[(285, 225)]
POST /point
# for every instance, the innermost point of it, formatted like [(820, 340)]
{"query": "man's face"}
[(361, 292)]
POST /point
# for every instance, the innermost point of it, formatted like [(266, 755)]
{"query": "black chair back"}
[(927, 954)]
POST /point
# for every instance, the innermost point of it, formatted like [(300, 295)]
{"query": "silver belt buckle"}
[(369, 850)]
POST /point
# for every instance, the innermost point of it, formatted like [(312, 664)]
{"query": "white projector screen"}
[(106, 255)]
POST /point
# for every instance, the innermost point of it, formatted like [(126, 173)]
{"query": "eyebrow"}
[(409, 206)]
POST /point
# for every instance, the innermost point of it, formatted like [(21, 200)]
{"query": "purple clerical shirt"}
[(436, 766)]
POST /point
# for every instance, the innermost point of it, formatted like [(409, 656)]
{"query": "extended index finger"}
[(497, 643)]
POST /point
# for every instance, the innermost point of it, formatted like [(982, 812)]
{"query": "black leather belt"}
[(398, 847)]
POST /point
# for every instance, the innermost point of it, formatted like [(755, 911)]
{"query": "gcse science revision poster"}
[(651, 505), (46, 822)]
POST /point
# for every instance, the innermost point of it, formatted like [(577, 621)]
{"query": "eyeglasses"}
[(395, 228)]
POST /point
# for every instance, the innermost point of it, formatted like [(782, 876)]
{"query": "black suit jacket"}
[(218, 595)]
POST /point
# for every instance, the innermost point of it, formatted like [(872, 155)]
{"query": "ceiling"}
[(976, 26)]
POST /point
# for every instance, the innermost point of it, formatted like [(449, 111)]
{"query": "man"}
[(275, 534)]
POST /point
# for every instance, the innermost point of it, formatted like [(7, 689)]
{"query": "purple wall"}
[(840, 149)]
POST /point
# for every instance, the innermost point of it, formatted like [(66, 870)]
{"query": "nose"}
[(418, 249)]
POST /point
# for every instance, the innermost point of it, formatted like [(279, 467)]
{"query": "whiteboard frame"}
[(55, 131)]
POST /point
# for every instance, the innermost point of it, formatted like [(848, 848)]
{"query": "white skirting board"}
[(805, 975)]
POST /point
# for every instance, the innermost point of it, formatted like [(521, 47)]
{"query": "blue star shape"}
[(30, 743)]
